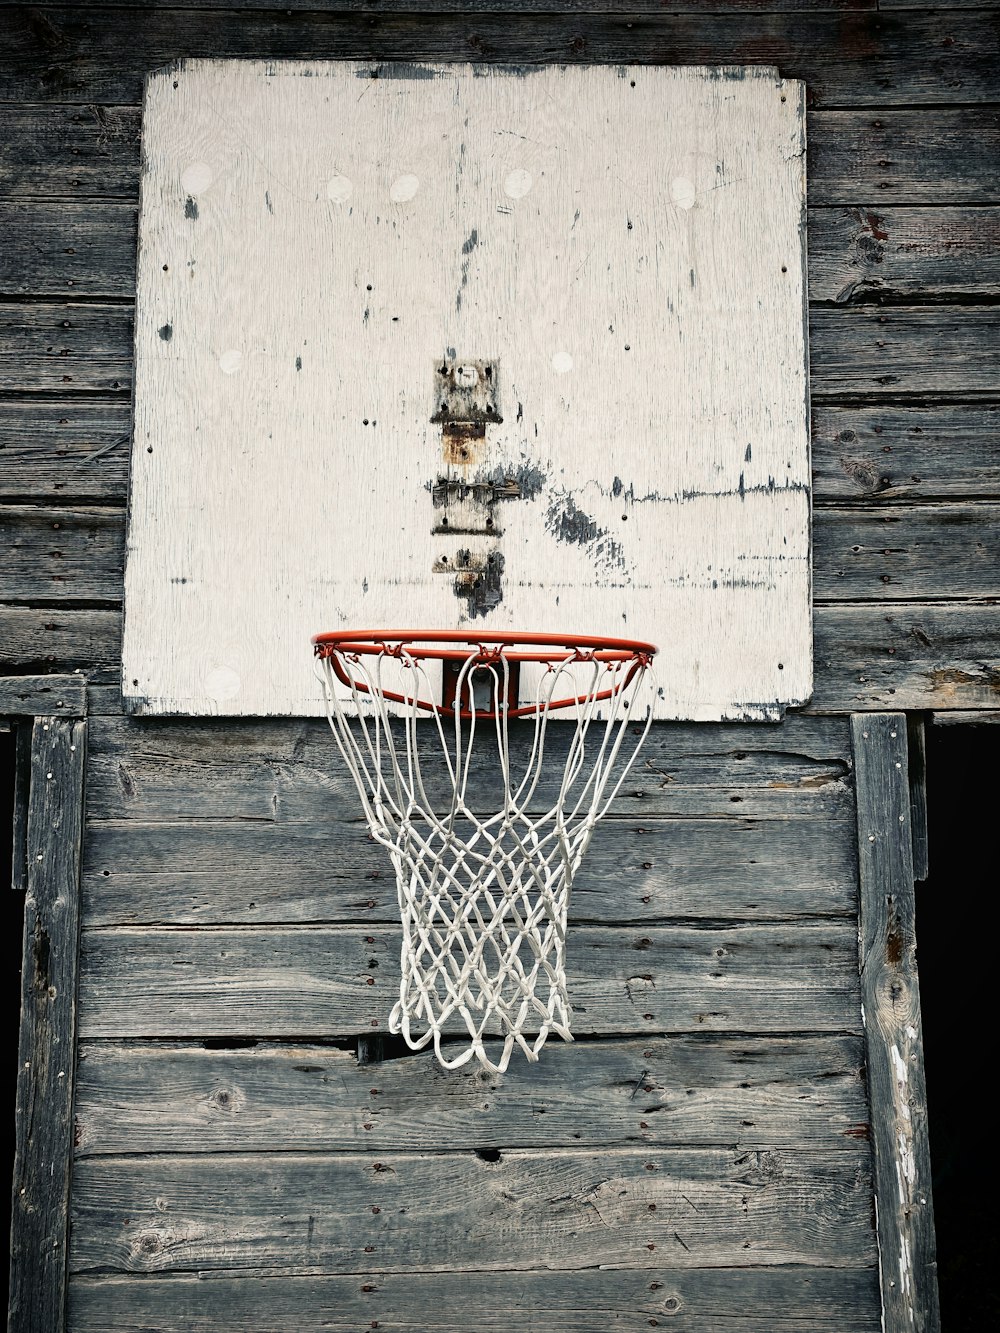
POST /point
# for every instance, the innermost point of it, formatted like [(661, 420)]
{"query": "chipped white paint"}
[(197, 178), (682, 192), (517, 183), (403, 189), (647, 238), (339, 189)]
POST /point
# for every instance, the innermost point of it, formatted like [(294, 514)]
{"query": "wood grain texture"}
[(43, 696), (893, 552), (947, 349), (907, 655), (86, 152), (756, 1092), (54, 451), (453, 1211), (77, 449), (342, 980), (47, 1041), (57, 554), (859, 353), (916, 751), (65, 251), (583, 230), (289, 771), (209, 872), (904, 59), (889, 452), (46, 638), (892, 1026), (883, 553), (876, 253), (738, 1300)]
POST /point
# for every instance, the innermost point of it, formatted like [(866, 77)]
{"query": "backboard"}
[(468, 346)]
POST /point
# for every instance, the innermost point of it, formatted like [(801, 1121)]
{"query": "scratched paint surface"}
[(621, 246)]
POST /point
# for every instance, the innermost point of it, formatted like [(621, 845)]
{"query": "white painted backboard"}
[(600, 271)]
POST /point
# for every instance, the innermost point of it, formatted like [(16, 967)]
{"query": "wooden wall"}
[(251, 1147), (903, 242)]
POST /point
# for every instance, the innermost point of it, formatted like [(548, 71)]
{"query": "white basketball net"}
[(484, 898)]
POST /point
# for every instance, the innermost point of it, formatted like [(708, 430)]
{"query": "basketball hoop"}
[(484, 897)]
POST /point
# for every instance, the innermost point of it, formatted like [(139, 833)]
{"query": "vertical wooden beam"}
[(48, 1028), (916, 748), (891, 1000)]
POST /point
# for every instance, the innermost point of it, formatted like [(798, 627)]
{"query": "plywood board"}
[(470, 346)]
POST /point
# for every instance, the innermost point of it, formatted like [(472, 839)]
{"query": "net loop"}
[(486, 820)]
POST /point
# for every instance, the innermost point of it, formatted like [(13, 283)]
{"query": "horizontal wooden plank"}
[(907, 656), (945, 655), (43, 696), (43, 638), (983, 718), (861, 353), (948, 157), (248, 871), (312, 1214), (946, 451), (897, 551), (884, 158), (343, 980), (854, 353), (290, 771), (857, 253), (883, 553), (861, 59), (77, 448), (868, 252), (53, 554), (744, 1300), (770, 1092)]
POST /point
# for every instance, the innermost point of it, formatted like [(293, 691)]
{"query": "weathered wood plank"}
[(43, 696), (77, 449), (65, 348), (873, 253), (943, 655), (46, 638), (946, 451), (857, 252), (21, 795), (308, 1214), (290, 771), (894, 1042), (980, 717), (855, 353), (900, 655), (896, 551), (744, 1300), (948, 157), (342, 980), (72, 152), (47, 1042), (53, 554), (789, 1092), (892, 552), (862, 59), (65, 251), (213, 872), (861, 353), (916, 749)]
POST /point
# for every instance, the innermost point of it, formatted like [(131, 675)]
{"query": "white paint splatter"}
[(562, 362), (196, 178), (231, 360), (403, 188), (517, 183), (682, 192), (339, 189), (222, 683)]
